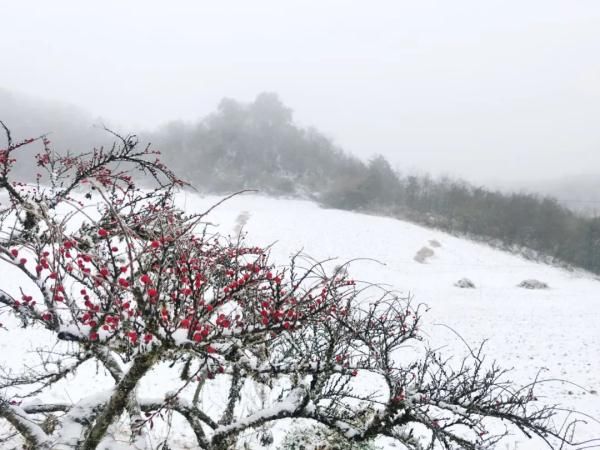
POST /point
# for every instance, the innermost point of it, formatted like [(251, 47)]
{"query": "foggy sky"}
[(490, 90)]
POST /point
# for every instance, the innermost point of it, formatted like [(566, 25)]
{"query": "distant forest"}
[(257, 145)]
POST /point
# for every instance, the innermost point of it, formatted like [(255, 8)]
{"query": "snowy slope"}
[(554, 329)]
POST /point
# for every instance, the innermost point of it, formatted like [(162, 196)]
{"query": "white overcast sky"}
[(486, 89)]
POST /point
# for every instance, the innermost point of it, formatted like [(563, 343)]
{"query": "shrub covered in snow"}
[(533, 284), (423, 255), (130, 282), (465, 283)]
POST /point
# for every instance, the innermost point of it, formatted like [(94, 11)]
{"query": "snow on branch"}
[(288, 407), (18, 418)]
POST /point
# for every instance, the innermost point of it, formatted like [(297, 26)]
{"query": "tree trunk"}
[(119, 399)]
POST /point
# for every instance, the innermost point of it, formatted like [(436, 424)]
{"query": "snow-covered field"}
[(555, 330)]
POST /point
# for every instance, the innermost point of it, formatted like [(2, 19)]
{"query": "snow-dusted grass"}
[(554, 330)]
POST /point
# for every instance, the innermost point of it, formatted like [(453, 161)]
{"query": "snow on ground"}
[(554, 329)]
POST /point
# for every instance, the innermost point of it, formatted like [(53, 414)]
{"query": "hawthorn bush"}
[(121, 276)]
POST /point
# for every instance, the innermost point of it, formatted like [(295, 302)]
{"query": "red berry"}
[(102, 232)]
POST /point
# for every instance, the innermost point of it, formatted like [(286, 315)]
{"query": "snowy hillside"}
[(554, 330)]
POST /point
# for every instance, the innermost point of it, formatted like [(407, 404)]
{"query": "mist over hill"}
[(68, 127), (258, 145), (580, 193)]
